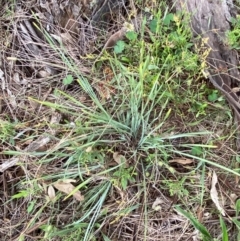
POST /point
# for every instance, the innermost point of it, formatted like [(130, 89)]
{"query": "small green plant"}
[(7, 131), (233, 36), (68, 80), (197, 151), (119, 47), (48, 230), (23, 194), (131, 36), (177, 187), (125, 175), (213, 96)]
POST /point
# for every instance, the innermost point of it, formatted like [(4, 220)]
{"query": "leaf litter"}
[(66, 187), (37, 69), (214, 194)]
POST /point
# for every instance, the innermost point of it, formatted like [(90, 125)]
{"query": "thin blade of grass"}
[(195, 223), (224, 230)]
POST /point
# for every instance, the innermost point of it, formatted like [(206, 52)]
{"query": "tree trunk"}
[(211, 20)]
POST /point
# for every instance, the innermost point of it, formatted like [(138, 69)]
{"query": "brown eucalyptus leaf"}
[(68, 188)]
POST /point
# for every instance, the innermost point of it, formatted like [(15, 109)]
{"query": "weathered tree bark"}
[(211, 19)]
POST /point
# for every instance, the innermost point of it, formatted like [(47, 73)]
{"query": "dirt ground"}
[(43, 44)]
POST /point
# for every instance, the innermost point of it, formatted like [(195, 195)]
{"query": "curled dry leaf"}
[(118, 158), (89, 149), (68, 180), (67, 188), (214, 194), (157, 204), (182, 161), (236, 89), (104, 88), (51, 193)]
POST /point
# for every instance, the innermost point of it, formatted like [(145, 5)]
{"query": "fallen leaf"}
[(104, 88), (89, 149), (67, 188), (214, 194), (236, 89), (157, 204), (119, 159), (182, 161), (51, 193), (68, 180), (233, 197), (108, 73)]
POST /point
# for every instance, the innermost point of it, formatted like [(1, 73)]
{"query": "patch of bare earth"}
[(31, 69)]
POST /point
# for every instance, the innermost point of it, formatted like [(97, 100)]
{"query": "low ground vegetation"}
[(124, 143)]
